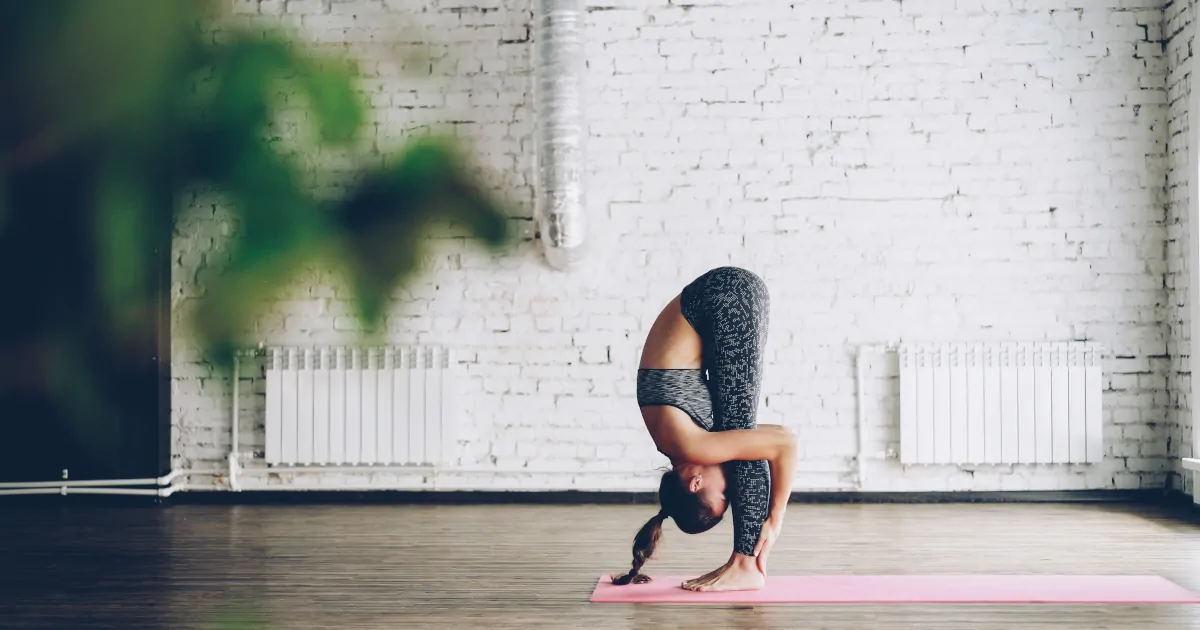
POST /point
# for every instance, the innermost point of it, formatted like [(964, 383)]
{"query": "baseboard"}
[(417, 497), (1029, 496), (574, 497), (1175, 496)]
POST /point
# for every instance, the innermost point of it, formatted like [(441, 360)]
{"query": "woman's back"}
[(672, 343)]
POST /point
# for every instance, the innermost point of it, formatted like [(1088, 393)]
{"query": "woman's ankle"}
[(742, 561)]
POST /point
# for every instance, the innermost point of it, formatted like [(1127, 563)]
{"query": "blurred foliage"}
[(112, 112)]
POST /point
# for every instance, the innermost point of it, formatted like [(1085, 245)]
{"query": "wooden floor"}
[(380, 566)]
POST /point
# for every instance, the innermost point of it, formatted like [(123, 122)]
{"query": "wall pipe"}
[(85, 483), (429, 470), (234, 464), (860, 389), (234, 458), (560, 132), (66, 490)]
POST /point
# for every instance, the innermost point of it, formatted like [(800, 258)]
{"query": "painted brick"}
[(888, 167), (1179, 23)]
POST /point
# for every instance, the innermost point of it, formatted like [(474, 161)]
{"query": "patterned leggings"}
[(730, 309)]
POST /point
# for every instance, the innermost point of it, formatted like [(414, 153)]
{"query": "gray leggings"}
[(730, 309)]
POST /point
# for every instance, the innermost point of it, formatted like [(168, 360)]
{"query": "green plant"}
[(112, 111)]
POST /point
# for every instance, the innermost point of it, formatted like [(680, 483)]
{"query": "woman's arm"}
[(774, 443), (783, 469), (771, 444)]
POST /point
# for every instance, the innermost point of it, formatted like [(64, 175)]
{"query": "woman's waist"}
[(671, 386), (662, 393)]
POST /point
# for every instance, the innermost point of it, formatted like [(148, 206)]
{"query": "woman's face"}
[(707, 483)]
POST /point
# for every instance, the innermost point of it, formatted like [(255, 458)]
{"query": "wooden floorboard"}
[(529, 566)]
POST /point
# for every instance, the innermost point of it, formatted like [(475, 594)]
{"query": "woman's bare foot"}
[(739, 574)]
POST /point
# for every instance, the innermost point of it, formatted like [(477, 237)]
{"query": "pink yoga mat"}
[(939, 589)]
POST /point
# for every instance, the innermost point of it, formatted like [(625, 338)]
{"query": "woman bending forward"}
[(698, 386)]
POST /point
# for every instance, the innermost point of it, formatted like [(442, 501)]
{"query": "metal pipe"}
[(94, 483), (431, 470), (560, 132), (119, 491), (427, 470), (64, 491), (434, 488), (234, 464), (860, 374), (285, 470), (81, 483), (32, 491), (85, 483), (860, 390)]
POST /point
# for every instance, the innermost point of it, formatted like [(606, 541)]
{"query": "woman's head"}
[(694, 497)]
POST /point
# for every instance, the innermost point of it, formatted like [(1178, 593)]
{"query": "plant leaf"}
[(246, 70), (334, 102), (385, 216), (119, 231)]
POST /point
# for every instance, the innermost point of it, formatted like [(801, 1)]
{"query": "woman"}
[(698, 386)]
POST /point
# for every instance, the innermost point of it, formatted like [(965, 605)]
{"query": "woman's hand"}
[(771, 530)]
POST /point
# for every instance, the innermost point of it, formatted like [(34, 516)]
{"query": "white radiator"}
[(359, 406), (1004, 403)]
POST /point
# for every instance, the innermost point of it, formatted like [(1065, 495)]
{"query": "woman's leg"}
[(737, 311)]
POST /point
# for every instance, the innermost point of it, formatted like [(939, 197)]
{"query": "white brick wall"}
[(1180, 30), (952, 170)]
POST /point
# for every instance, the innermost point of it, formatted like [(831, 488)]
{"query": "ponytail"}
[(643, 547), (689, 512)]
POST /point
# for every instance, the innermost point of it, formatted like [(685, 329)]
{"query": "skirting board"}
[(572, 497)]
